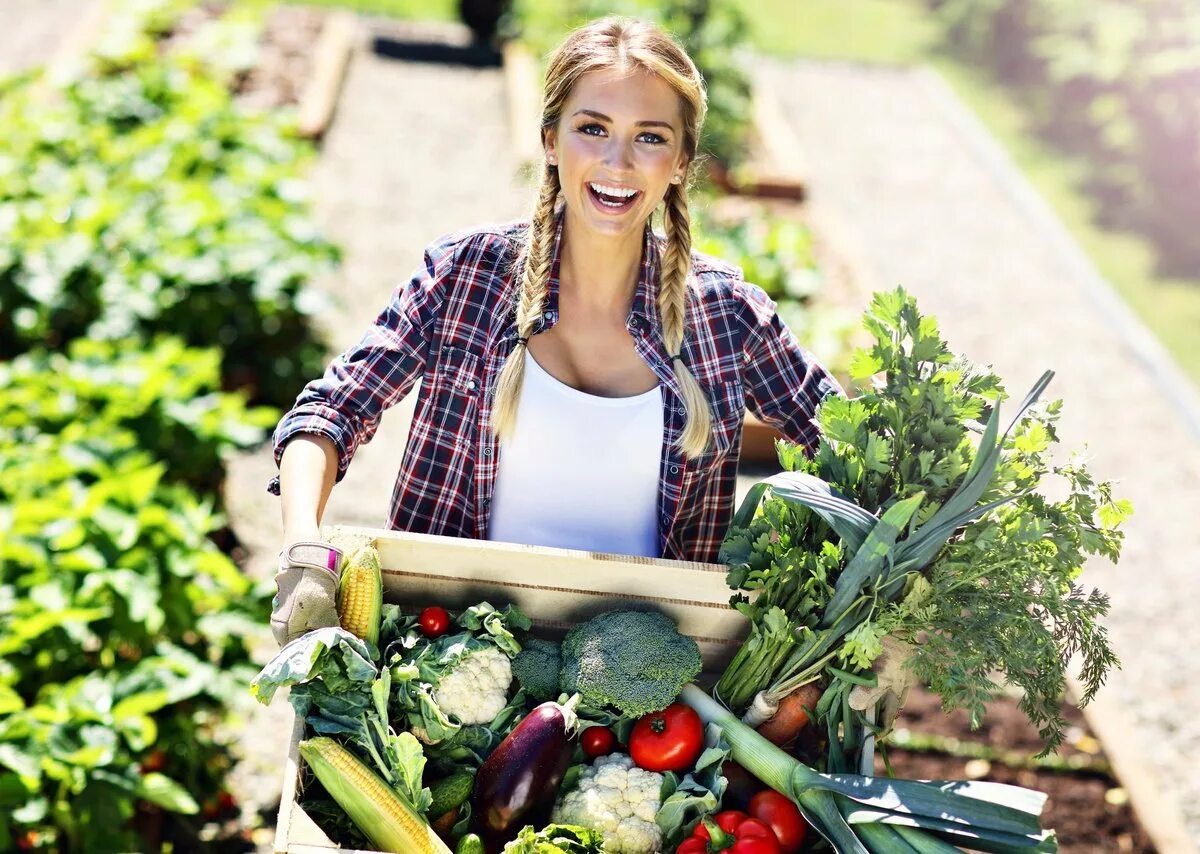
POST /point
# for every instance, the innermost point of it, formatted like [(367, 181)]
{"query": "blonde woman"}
[(583, 379)]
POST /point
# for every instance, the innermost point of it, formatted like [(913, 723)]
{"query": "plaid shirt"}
[(452, 325)]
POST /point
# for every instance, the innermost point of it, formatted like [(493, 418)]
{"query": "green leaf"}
[(162, 790)]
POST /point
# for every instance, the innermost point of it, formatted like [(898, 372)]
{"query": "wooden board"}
[(557, 588)]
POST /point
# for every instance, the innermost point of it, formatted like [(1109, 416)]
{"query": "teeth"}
[(612, 191)]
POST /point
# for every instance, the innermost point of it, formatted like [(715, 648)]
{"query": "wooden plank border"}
[(335, 45)]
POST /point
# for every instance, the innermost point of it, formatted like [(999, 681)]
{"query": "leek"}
[(871, 815)]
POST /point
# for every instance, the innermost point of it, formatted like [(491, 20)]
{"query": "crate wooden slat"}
[(557, 588)]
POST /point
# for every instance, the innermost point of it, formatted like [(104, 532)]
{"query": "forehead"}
[(634, 96)]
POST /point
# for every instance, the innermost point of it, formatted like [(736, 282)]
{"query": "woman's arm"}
[(345, 405), (306, 475), (784, 384)]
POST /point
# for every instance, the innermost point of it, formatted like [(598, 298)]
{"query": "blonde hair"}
[(622, 44)]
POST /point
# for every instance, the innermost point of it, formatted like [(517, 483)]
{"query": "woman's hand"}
[(305, 588)]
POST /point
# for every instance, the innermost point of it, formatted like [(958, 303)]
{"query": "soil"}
[(285, 58), (1088, 809)]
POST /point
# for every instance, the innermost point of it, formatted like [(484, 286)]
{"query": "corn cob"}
[(372, 805), (360, 594)]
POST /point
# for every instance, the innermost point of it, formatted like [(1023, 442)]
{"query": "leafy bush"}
[(166, 394), (144, 201), (137, 202), (124, 634)]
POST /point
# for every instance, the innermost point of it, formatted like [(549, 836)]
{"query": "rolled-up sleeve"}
[(346, 403), (785, 383)]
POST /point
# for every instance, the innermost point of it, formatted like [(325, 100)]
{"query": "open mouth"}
[(616, 204)]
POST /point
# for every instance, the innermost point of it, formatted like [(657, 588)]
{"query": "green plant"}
[(167, 395), (124, 633), (144, 200), (902, 526)]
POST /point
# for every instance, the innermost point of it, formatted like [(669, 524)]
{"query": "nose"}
[(619, 156)]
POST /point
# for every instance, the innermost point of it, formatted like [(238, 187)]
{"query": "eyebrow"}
[(603, 117)]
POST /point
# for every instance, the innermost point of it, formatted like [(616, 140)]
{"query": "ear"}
[(550, 143)]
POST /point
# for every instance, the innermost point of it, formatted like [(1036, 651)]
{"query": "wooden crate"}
[(555, 587)]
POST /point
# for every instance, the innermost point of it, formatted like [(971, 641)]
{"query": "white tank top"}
[(581, 471)]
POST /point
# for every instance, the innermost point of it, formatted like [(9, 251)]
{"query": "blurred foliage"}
[(136, 199), (1117, 81), (713, 32), (778, 254), (124, 631), (144, 200), (167, 395)]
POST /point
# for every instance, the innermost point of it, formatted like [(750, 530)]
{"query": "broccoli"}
[(634, 661), (536, 668)]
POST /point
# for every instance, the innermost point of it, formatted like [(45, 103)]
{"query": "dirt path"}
[(30, 30), (928, 202)]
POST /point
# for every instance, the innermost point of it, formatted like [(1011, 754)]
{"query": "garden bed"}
[(1087, 807)]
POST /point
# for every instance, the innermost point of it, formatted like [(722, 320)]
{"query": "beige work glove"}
[(893, 680), (305, 590)]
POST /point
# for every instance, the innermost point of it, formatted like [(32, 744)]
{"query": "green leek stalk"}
[(867, 815)]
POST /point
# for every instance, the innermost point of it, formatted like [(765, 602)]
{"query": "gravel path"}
[(926, 202), (415, 151), (30, 30)]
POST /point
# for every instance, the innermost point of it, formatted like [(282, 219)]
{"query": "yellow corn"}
[(372, 805), (360, 594)]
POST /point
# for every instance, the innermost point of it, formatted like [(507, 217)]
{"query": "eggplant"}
[(523, 774)]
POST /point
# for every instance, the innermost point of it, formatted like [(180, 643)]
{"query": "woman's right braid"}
[(538, 256)]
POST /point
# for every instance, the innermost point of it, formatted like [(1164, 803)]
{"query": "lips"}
[(603, 203)]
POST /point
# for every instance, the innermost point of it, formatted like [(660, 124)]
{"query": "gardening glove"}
[(306, 590), (893, 679)]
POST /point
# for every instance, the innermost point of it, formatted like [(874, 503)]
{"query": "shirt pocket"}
[(457, 386), (727, 404)]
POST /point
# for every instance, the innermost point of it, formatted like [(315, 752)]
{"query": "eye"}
[(655, 139)]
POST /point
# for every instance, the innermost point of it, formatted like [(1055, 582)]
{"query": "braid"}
[(538, 255), (672, 306)]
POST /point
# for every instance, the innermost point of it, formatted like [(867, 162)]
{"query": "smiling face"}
[(619, 131)]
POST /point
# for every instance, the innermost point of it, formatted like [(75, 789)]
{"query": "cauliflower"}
[(476, 689), (620, 800)]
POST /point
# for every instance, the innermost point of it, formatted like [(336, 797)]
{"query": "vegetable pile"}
[(437, 729), (918, 544)]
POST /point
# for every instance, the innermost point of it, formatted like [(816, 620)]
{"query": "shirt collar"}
[(644, 308)]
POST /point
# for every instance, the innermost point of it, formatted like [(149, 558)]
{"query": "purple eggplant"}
[(523, 774)]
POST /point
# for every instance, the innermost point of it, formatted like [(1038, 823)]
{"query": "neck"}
[(600, 271)]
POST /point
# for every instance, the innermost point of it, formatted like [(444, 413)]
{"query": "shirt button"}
[(674, 469), (471, 385), (487, 452)]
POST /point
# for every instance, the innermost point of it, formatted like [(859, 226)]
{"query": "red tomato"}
[(434, 621), (784, 818), (670, 740), (597, 741)]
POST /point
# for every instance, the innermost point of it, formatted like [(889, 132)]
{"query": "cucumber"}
[(470, 844), (450, 792)]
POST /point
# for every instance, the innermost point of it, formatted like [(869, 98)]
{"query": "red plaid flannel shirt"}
[(452, 325)]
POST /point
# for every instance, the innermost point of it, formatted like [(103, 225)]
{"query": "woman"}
[(583, 379)]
